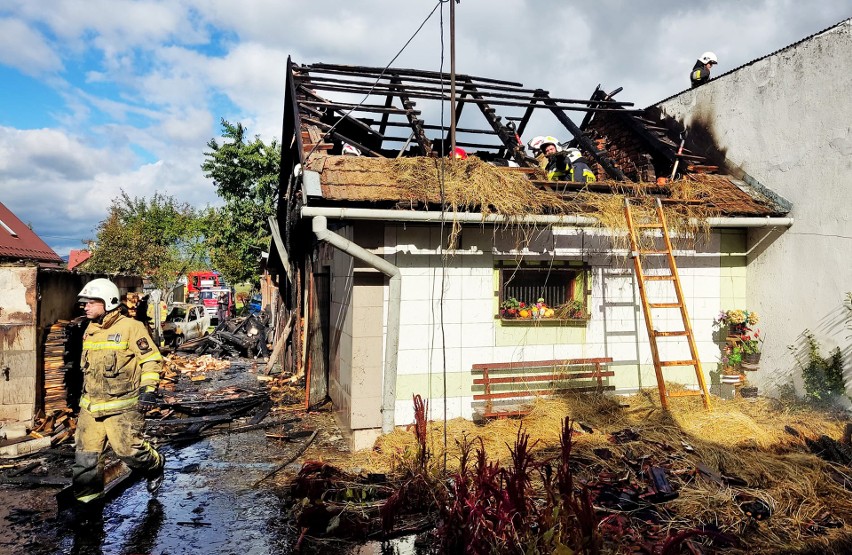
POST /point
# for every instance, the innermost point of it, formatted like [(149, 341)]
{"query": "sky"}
[(103, 95)]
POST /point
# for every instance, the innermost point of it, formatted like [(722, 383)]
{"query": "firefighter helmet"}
[(101, 289), (459, 153), (538, 143), (573, 154), (708, 58), (349, 150)]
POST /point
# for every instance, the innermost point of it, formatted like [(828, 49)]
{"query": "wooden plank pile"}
[(55, 365), (59, 425)]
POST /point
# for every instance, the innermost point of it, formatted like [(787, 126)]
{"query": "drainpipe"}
[(320, 229)]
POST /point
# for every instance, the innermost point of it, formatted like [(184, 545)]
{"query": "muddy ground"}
[(208, 502)]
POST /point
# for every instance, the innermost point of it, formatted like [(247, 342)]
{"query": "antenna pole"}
[(453, 77)]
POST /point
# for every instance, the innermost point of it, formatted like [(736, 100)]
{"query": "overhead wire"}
[(379, 78)]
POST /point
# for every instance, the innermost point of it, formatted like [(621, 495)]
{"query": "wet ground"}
[(208, 503)]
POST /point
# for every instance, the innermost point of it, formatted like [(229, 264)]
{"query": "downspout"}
[(320, 229)]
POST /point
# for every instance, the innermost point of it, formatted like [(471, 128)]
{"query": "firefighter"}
[(701, 70), (556, 165), (121, 370), (580, 170)]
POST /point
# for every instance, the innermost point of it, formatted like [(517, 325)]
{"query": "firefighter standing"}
[(701, 70), (121, 370)]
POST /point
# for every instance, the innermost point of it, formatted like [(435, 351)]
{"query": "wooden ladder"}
[(638, 253)]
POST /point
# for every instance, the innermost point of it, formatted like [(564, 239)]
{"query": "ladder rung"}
[(678, 363), (649, 226), (664, 305), (659, 278), (685, 394), (653, 252), (669, 333)]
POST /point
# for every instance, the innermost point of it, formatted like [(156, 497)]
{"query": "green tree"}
[(245, 174), (157, 238)]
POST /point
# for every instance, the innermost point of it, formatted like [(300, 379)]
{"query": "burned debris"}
[(245, 336)]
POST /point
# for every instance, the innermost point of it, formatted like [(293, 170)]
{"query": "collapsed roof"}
[(376, 110)]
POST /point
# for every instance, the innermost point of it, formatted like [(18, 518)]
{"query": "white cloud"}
[(153, 80), (25, 49)]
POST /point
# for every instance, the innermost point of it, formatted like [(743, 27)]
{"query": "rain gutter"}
[(320, 229), (471, 217)]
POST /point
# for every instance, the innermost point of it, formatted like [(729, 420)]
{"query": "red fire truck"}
[(205, 279)]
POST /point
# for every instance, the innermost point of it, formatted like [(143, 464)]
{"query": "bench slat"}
[(544, 378), (537, 392), (541, 363)]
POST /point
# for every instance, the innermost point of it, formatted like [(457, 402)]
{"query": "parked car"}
[(255, 304), (184, 322)]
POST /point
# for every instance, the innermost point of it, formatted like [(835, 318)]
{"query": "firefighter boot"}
[(155, 476)]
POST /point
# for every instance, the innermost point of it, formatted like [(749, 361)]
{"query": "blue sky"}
[(103, 95)]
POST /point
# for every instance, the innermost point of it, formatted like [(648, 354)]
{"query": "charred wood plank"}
[(414, 121), (433, 92)]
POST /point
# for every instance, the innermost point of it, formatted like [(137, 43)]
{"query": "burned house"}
[(400, 265)]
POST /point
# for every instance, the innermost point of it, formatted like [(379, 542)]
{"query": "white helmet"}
[(349, 150), (538, 143), (708, 58), (102, 289), (573, 154)]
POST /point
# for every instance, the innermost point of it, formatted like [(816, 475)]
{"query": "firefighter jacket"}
[(581, 172), (558, 167), (119, 358), (700, 74)]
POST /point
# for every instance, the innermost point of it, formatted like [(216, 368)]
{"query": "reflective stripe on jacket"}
[(581, 172), (699, 74), (119, 357)]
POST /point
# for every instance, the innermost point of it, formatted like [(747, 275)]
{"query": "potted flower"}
[(732, 356), (738, 321), (510, 308), (751, 343)]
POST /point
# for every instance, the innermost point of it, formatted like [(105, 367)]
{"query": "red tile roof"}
[(19, 242), (77, 257)]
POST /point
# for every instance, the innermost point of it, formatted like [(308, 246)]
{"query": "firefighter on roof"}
[(121, 370), (701, 70)]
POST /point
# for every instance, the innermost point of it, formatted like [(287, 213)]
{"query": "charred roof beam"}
[(507, 137), (416, 125), (582, 139), (437, 92)]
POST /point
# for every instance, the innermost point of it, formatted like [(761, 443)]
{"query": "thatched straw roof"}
[(473, 185)]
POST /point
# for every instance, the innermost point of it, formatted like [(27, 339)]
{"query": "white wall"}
[(787, 121), (465, 290)]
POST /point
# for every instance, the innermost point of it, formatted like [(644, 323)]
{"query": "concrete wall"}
[(785, 120), (18, 314), (449, 315), (31, 300)]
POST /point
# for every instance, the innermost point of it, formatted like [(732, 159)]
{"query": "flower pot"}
[(751, 358), (731, 378), (748, 392), (737, 329)]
